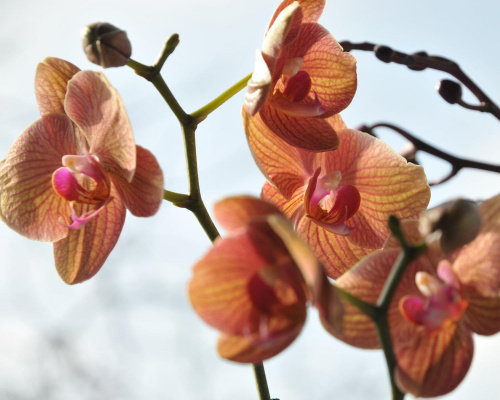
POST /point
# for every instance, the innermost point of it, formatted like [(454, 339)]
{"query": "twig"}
[(420, 61)]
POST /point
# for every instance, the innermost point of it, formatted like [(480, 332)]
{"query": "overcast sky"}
[(130, 333)]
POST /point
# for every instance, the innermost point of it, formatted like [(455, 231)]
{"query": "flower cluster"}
[(337, 186), (440, 301)]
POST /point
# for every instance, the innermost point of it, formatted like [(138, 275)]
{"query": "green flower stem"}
[(202, 113), (175, 198), (378, 312), (261, 381), (189, 123), (384, 336)]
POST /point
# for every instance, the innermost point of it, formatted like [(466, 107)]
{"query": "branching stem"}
[(420, 61), (189, 122)]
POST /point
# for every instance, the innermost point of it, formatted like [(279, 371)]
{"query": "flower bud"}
[(106, 45), (451, 91), (383, 53), (452, 224)]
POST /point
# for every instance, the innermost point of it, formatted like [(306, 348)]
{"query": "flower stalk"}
[(189, 123)]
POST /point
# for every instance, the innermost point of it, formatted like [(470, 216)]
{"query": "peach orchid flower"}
[(70, 176), (440, 301), (301, 77), (338, 200), (254, 285)]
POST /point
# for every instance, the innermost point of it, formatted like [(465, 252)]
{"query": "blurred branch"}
[(456, 163), (451, 92)]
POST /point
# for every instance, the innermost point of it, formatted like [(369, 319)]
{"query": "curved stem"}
[(457, 163), (189, 123), (203, 112), (420, 61)]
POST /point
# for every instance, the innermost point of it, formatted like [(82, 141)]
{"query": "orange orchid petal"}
[(478, 266), (313, 134), (434, 366), (332, 71), (252, 349), (337, 253), (95, 106), (283, 164), (51, 80), (219, 288), (312, 9), (243, 284), (82, 253), (387, 183), (28, 202), (323, 295), (236, 212), (144, 195)]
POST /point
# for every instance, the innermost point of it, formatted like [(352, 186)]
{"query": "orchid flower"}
[(254, 284), (339, 200), (440, 301), (301, 77), (70, 176)]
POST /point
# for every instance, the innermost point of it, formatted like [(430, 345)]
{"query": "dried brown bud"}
[(383, 53), (106, 45), (453, 224), (451, 91)]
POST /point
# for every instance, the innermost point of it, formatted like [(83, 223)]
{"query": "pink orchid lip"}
[(331, 206), (80, 221), (298, 109), (82, 179), (443, 304)]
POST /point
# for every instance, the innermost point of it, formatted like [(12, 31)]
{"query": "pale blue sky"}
[(130, 331)]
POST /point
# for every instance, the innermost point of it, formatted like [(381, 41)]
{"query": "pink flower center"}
[(82, 180), (292, 95), (443, 303), (329, 204)]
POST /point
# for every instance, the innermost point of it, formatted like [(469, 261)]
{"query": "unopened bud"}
[(106, 45), (383, 53), (452, 224), (413, 65), (451, 91)]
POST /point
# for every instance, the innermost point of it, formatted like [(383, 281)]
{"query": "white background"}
[(130, 332)]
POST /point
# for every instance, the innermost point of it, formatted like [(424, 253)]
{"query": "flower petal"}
[(51, 81), (235, 212), (95, 106), (433, 366), (323, 295), (28, 202), (336, 253), (252, 349), (82, 253), (285, 166), (312, 9), (477, 266), (332, 71), (313, 134), (144, 195), (387, 183), (238, 272)]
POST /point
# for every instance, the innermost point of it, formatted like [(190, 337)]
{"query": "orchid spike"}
[(440, 301), (70, 176), (338, 200), (301, 77), (254, 284)]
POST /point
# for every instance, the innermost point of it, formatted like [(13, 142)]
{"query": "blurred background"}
[(130, 333)]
